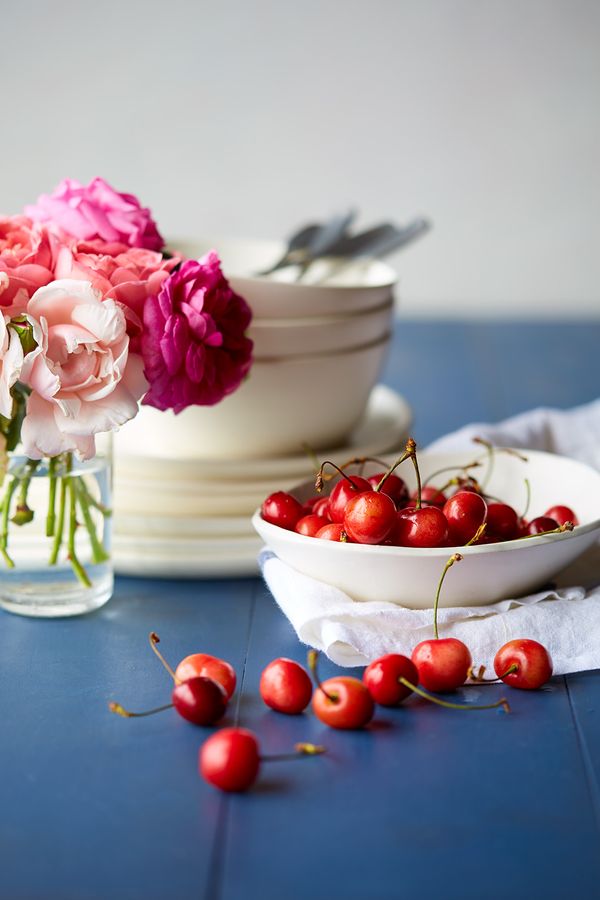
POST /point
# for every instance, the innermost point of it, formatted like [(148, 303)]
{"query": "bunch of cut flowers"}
[(96, 317)]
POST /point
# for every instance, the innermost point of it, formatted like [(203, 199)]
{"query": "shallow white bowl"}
[(320, 334), (489, 572), (283, 405), (325, 290)]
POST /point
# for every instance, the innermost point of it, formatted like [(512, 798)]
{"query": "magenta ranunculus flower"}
[(194, 346), (96, 210)]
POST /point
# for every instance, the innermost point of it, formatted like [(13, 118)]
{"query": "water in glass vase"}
[(55, 535)]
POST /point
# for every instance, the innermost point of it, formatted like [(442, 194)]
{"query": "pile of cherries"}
[(381, 510), (230, 758)]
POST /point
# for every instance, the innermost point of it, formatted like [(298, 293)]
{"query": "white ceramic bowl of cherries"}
[(375, 542)]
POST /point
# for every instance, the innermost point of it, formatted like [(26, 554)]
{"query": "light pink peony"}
[(82, 377), (96, 210), (194, 344), (11, 362), (26, 261)]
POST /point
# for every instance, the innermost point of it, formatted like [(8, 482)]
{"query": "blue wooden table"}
[(424, 803)]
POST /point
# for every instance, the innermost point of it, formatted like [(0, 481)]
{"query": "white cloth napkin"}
[(566, 620)]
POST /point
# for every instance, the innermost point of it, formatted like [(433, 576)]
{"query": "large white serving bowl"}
[(489, 572), (285, 404), (328, 288), (320, 334)]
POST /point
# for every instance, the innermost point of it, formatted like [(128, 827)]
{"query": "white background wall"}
[(247, 118)]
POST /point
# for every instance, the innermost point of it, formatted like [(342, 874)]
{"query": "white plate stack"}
[(186, 486)]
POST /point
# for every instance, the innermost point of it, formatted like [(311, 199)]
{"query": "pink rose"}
[(127, 274), (194, 345), (25, 261), (96, 210), (82, 377), (11, 361)]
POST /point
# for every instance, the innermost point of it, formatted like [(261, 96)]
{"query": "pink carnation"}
[(82, 377), (194, 346), (25, 261), (96, 210)]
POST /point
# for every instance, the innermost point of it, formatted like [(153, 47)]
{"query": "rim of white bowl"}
[(389, 279), (474, 549), (320, 354), (320, 321), (444, 552)]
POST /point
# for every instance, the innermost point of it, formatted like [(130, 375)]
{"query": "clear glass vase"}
[(55, 534)]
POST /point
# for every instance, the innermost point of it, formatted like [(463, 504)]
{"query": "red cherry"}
[(562, 514), (285, 686), (282, 509), (523, 663), (541, 524), (502, 522), (210, 666), (321, 508), (341, 702), (369, 517), (393, 486), (200, 700), (334, 531), (465, 511), (382, 679), (430, 496), (343, 492), (309, 525), (230, 759), (443, 663), (425, 527)]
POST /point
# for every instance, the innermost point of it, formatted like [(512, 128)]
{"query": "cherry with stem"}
[(342, 701), (442, 663), (230, 759)]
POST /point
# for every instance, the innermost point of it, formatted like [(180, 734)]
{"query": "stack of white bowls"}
[(186, 485)]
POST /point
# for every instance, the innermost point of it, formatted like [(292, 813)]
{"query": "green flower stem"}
[(75, 563), (51, 515), (6, 504), (92, 500), (59, 531), (99, 554)]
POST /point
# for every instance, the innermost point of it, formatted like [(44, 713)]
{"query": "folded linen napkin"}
[(566, 619)]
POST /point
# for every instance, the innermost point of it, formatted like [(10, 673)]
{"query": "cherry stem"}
[(471, 465), (320, 479), (503, 702), (527, 498), (362, 460), (479, 679), (462, 483), (126, 714), (154, 640), (477, 534), (410, 452), (456, 557), (313, 656), (301, 750), (567, 526), (491, 451)]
